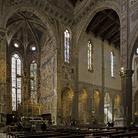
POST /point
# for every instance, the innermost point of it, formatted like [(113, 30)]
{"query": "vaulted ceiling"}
[(26, 27), (106, 25), (73, 2)]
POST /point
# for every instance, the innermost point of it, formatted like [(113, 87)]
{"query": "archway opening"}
[(82, 107), (107, 108), (95, 106), (66, 105), (117, 102)]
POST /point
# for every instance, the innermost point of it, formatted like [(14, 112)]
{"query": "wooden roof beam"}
[(99, 19), (110, 32), (114, 38), (106, 26), (112, 18)]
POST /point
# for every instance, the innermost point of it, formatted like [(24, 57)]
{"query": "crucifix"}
[(25, 83)]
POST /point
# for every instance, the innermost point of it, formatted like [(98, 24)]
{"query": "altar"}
[(33, 120), (29, 109), (120, 122)]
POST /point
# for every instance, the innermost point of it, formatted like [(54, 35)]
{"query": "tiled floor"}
[(2, 135)]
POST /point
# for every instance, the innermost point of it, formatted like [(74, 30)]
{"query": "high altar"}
[(29, 109)]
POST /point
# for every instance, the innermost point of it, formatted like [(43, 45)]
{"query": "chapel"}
[(67, 60)]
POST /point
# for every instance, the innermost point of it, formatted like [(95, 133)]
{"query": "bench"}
[(108, 133), (132, 134)]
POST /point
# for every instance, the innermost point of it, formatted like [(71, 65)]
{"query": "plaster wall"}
[(95, 77)]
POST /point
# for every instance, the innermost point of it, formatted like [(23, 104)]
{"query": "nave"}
[(78, 132), (71, 60)]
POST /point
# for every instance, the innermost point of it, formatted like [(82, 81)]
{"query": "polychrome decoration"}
[(33, 81), (16, 82), (90, 56), (66, 46)]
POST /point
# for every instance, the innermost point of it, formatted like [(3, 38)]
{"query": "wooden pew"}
[(34, 135), (109, 134), (129, 135)]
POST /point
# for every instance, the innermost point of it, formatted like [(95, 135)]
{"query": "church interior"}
[(70, 63)]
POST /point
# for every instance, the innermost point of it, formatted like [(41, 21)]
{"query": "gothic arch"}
[(96, 105), (67, 96), (102, 6), (107, 107), (16, 52), (16, 8), (117, 102), (83, 106)]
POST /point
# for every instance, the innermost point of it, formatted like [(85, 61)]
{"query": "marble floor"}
[(2, 135)]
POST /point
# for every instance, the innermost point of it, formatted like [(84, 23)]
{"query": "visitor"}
[(43, 127), (19, 126), (33, 127)]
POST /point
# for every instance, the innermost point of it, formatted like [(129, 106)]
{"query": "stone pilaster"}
[(113, 109), (103, 84), (74, 114), (3, 74), (124, 34)]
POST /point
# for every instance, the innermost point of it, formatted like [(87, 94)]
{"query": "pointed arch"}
[(83, 107), (95, 105), (117, 103), (107, 108), (66, 104)]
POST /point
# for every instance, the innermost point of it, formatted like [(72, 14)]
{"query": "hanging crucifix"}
[(25, 84)]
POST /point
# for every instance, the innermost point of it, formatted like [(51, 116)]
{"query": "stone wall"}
[(48, 79), (2, 76)]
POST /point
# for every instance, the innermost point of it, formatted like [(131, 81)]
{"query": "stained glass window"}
[(90, 56), (33, 81), (16, 82), (66, 46), (112, 64)]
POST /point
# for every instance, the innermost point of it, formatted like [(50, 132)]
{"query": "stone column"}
[(127, 96), (3, 73), (125, 109)]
